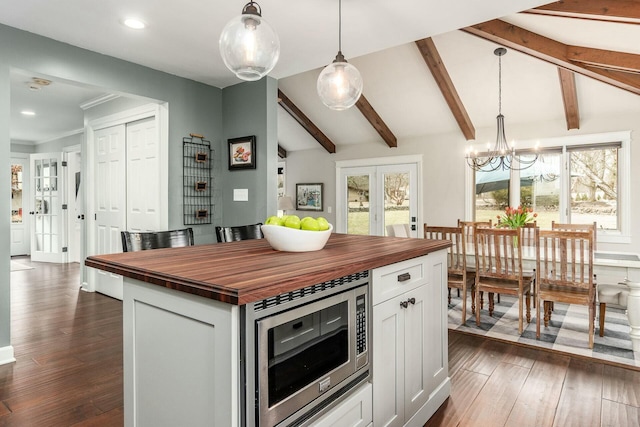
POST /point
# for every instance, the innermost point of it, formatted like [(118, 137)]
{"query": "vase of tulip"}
[(516, 218)]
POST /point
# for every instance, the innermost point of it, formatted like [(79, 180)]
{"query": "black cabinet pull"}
[(297, 325), (404, 277), (404, 304), (412, 300)]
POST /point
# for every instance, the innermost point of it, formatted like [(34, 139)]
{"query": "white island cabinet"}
[(188, 353), (410, 358)]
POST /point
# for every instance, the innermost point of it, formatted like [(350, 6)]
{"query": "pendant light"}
[(248, 44), (501, 157), (339, 84)]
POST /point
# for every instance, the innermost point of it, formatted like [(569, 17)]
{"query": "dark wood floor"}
[(68, 349), (68, 346)]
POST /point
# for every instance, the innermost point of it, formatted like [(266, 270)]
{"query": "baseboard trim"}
[(6, 355)]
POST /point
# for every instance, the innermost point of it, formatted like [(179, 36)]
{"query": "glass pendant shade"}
[(339, 84), (248, 44)]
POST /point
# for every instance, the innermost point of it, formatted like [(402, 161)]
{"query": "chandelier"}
[(339, 84), (248, 44), (502, 156)]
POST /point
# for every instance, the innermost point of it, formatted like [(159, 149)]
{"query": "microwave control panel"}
[(361, 324)]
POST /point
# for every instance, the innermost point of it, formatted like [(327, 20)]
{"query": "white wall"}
[(444, 166)]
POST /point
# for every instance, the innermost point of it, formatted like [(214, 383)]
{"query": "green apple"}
[(323, 223), (292, 221), (309, 223), (273, 220)]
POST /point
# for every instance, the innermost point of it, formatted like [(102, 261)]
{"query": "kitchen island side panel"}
[(180, 358)]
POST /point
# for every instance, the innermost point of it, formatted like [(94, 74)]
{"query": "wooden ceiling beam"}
[(569, 98), (548, 50), (627, 11), (376, 121), (305, 122), (607, 59), (434, 62), (282, 153)]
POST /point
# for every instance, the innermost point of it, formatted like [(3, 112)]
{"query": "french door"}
[(48, 229), (375, 197)]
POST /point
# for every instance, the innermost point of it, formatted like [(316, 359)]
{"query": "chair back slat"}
[(469, 226)]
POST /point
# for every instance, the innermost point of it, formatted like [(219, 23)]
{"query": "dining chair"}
[(398, 230), (133, 241), (564, 273), (458, 276), (467, 231), (240, 232), (499, 269)]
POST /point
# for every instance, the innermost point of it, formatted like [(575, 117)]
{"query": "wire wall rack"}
[(197, 180)]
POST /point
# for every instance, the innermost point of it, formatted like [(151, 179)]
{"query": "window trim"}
[(566, 144)]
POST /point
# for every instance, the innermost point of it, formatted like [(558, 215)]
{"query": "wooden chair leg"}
[(478, 310), (537, 319), (603, 309), (592, 322), (528, 300), (449, 295), (473, 302), (464, 304), (547, 313), (491, 304)]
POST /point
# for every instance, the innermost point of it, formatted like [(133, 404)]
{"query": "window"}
[(578, 180), (594, 186)]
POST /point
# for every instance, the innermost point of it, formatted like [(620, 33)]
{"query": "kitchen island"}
[(184, 319)]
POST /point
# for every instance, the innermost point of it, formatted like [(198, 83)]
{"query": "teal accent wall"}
[(251, 109), (193, 108)]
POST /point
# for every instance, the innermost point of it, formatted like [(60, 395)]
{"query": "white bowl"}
[(291, 240)]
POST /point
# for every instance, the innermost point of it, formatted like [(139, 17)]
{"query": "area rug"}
[(567, 330), (16, 266)]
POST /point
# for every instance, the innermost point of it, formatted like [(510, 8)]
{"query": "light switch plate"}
[(240, 194)]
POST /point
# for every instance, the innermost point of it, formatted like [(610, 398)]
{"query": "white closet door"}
[(143, 166), (110, 201)]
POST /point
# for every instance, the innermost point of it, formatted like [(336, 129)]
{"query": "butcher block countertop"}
[(250, 270)]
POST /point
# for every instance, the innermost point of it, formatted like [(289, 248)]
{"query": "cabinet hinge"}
[(64, 163), (64, 207)]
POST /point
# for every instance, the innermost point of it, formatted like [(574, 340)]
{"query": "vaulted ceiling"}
[(428, 66), (567, 61)]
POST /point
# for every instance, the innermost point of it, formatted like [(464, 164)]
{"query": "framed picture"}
[(242, 153), (309, 197)]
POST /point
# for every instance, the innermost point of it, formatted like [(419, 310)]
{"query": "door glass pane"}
[(16, 194), (594, 187), (492, 194), (540, 188), (396, 199), (358, 209)]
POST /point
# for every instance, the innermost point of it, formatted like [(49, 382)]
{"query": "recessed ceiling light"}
[(28, 113), (134, 23)]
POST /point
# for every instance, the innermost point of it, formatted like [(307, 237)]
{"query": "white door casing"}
[(74, 205), (154, 182)]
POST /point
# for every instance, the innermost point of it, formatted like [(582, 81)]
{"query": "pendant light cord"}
[(500, 84), (339, 25)]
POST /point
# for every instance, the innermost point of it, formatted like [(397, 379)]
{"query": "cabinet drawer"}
[(392, 280), (356, 411)]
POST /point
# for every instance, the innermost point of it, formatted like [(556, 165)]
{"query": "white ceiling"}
[(181, 38)]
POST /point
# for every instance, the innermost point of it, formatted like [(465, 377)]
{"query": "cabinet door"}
[(417, 349), (388, 363)]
